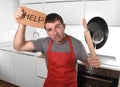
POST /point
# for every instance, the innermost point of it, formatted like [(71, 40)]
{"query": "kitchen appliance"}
[(101, 77)]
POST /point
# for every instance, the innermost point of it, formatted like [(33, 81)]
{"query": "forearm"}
[(19, 39)]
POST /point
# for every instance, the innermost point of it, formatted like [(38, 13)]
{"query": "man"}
[(61, 51)]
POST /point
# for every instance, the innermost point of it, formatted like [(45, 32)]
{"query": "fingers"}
[(95, 62), (18, 13)]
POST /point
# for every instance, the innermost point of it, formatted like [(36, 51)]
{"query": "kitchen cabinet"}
[(29, 1), (40, 82), (41, 71), (107, 9), (7, 66), (61, 0), (25, 70), (38, 6), (41, 68), (72, 12)]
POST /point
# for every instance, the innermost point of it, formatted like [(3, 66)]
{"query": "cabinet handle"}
[(41, 77)]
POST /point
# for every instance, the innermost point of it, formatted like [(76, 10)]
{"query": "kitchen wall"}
[(8, 25)]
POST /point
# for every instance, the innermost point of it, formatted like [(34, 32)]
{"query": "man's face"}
[(55, 31)]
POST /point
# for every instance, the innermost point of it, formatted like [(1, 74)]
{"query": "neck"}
[(62, 41)]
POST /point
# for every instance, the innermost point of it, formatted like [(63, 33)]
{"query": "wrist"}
[(22, 26)]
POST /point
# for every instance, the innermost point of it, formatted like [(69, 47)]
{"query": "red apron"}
[(61, 68)]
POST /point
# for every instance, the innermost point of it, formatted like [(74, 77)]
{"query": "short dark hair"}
[(52, 17)]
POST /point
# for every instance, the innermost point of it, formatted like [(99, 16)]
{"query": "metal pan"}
[(99, 31)]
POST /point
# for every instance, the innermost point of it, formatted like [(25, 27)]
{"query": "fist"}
[(18, 13), (95, 62)]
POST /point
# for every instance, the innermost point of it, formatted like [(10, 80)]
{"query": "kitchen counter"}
[(104, 66), (8, 46)]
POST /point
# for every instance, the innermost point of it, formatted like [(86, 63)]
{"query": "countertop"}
[(113, 65), (8, 46)]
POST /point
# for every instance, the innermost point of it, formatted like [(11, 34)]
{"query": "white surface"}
[(25, 70), (7, 66), (71, 12), (8, 25), (60, 0), (29, 1), (41, 68), (8, 46), (38, 7), (107, 9), (40, 82), (41, 71)]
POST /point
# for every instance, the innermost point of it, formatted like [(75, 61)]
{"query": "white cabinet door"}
[(40, 82), (72, 12), (7, 66), (39, 7), (25, 70), (41, 71), (41, 68), (62, 0), (107, 9)]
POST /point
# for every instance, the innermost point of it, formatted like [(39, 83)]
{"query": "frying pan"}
[(98, 24)]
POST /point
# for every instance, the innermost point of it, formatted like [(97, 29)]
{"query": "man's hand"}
[(18, 14), (95, 62)]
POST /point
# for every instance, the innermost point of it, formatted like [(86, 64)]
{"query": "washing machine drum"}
[(98, 29)]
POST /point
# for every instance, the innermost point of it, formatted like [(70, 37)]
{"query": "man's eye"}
[(49, 30), (58, 26)]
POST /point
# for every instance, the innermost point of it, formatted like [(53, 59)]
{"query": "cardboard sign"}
[(32, 18)]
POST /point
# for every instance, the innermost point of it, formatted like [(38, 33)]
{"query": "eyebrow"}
[(58, 24), (48, 29), (55, 26)]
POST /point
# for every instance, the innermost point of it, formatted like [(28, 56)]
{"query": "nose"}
[(54, 32)]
